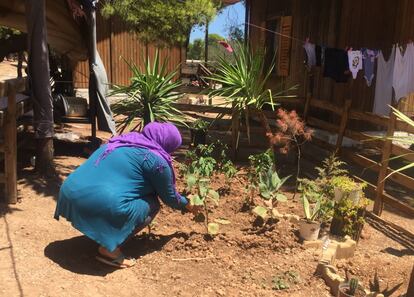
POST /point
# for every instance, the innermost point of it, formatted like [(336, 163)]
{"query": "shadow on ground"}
[(77, 254)]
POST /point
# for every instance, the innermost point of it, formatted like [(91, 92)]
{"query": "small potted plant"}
[(309, 226), (346, 187), (349, 218), (351, 289), (198, 132)]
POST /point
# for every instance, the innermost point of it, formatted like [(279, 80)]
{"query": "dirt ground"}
[(40, 256)]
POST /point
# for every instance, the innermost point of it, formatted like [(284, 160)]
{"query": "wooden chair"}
[(12, 106)]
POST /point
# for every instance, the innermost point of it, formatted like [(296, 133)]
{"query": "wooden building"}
[(116, 43), (333, 23), (343, 110)]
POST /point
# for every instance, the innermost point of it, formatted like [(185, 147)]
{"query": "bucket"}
[(309, 230)]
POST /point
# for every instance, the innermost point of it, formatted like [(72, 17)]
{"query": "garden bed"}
[(43, 257)]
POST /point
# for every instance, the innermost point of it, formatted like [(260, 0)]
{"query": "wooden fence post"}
[(10, 146), (410, 291), (342, 126), (386, 153)]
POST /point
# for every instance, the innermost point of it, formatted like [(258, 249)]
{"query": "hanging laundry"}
[(403, 79), (383, 85), (320, 55), (369, 56), (355, 62), (336, 65), (310, 53)]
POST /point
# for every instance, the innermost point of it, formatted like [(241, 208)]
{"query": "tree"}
[(196, 49), (6, 32), (167, 22), (215, 50), (236, 34)]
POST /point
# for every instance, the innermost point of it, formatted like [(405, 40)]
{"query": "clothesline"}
[(275, 32), (395, 74)]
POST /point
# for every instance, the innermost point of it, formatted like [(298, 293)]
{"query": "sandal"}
[(118, 262)]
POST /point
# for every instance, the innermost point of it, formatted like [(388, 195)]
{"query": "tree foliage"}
[(6, 32), (166, 22)]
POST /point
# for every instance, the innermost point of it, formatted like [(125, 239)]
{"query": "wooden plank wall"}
[(337, 23), (115, 43)]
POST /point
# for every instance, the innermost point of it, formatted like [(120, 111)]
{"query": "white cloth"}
[(311, 53), (355, 62), (403, 79), (383, 85)]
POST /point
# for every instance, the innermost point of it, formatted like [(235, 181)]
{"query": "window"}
[(278, 47)]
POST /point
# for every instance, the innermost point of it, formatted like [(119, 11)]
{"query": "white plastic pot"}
[(354, 195), (309, 230)]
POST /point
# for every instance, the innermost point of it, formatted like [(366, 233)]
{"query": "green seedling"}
[(259, 164), (269, 188), (203, 195)]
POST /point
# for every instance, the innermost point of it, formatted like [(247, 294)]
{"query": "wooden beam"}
[(325, 105), (410, 291), (399, 229), (379, 120), (369, 117), (342, 125), (386, 198), (2, 178), (398, 178), (10, 149), (406, 154), (308, 94), (386, 153), (322, 125)]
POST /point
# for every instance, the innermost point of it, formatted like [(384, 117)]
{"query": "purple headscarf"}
[(160, 138)]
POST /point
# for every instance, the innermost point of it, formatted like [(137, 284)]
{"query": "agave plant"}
[(149, 96), (243, 81)]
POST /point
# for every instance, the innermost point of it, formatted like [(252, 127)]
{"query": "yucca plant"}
[(149, 96), (243, 81)]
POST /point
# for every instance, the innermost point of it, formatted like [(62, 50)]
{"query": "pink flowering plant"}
[(291, 133)]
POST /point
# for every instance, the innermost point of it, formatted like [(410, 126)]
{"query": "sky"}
[(231, 15)]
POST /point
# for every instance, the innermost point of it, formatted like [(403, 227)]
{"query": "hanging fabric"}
[(355, 62), (320, 53), (369, 56), (310, 53), (383, 86), (403, 78), (336, 65)]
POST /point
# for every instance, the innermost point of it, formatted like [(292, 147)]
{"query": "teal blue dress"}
[(108, 201)]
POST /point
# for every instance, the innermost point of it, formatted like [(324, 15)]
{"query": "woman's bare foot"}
[(117, 255)]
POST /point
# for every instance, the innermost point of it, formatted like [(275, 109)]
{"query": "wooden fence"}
[(115, 42), (387, 147), (345, 115)]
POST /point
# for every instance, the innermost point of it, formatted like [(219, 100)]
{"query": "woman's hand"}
[(194, 209)]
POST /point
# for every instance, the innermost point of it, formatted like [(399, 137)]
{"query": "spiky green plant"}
[(353, 286), (402, 139), (311, 213), (149, 96), (243, 81)]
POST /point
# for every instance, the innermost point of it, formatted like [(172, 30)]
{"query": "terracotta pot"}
[(309, 230)]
